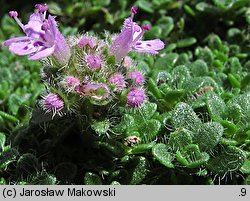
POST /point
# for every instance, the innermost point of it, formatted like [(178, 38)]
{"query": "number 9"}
[(243, 191)]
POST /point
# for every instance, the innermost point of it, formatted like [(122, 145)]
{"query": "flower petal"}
[(22, 48), (62, 50), (136, 31), (149, 46), (34, 27), (121, 45), (43, 52), (17, 39)]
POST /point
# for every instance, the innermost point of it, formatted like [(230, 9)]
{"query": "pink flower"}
[(42, 38), (71, 82), (52, 103), (137, 78), (118, 81), (94, 62), (86, 42), (130, 39), (136, 97)]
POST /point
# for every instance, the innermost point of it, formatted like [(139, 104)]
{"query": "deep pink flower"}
[(130, 39), (42, 38), (118, 81), (137, 77), (136, 97), (52, 103)]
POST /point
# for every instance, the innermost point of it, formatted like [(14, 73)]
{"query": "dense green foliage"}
[(193, 129)]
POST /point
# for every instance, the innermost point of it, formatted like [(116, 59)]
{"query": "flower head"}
[(118, 81), (94, 62), (137, 77), (52, 103), (130, 39), (42, 37), (83, 42), (71, 82), (136, 97)]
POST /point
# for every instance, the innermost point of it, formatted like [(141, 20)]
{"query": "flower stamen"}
[(14, 15), (133, 11)]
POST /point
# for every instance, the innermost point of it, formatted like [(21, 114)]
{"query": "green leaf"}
[(170, 47), (191, 156), (2, 181), (189, 10), (233, 81), (202, 6), (185, 117), (245, 81), (205, 54), (245, 168), (9, 117), (92, 179), (7, 157), (208, 135), (228, 159), (198, 84), (183, 59), (215, 105), (247, 180), (168, 61), (115, 183), (149, 130), (230, 127), (172, 96), (146, 111), (2, 141), (145, 5), (180, 138), (44, 179), (101, 127), (167, 25), (153, 88), (235, 65), (55, 9), (238, 110), (154, 32), (234, 112), (228, 142), (161, 153), (120, 176), (27, 164), (186, 42), (112, 148), (138, 170), (101, 2), (180, 75), (199, 68), (141, 148), (127, 122)]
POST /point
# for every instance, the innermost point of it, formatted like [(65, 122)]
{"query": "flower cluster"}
[(84, 67)]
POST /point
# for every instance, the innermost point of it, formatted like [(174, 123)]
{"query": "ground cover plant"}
[(155, 94)]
